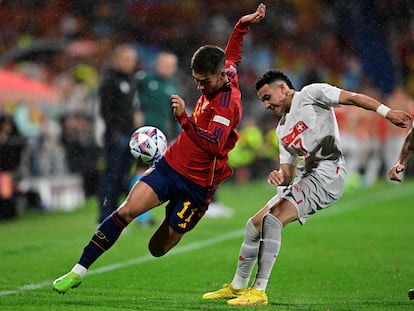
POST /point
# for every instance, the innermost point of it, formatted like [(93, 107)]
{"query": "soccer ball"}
[(148, 144)]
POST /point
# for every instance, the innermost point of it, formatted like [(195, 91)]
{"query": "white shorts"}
[(312, 192)]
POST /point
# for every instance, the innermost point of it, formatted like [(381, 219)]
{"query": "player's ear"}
[(282, 87)]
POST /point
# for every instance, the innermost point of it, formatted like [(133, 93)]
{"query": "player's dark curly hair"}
[(208, 59), (271, 76)]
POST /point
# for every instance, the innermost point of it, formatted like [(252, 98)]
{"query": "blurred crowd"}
[(365, 46)]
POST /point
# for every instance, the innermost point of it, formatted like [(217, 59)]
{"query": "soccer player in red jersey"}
[(192, 167)]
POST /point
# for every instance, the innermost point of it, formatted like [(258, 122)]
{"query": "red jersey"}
[(200, 152)]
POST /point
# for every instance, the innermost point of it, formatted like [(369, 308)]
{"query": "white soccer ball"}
[(148, 144)]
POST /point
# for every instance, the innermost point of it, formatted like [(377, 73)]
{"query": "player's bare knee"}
[(257, 222), (156, 250), (284, 213), (126, 214), (157, 245)]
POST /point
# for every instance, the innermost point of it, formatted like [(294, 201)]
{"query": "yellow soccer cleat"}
[(252, 297), (227, 292)]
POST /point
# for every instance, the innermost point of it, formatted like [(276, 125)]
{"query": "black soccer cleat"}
[(411, 294)]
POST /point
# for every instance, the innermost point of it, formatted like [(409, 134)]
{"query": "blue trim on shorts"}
[(188, 201)]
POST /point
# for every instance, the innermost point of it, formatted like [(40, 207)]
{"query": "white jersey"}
[(310, 131)]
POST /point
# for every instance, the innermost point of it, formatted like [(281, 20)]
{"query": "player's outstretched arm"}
[(397, 117), (256, 16), (234, 45)]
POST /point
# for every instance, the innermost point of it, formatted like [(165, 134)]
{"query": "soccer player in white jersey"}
[(307, 131)]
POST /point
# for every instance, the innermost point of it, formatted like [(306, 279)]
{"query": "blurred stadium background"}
[(55, 50)]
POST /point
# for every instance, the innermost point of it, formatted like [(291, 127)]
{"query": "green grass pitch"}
[(356, 255)]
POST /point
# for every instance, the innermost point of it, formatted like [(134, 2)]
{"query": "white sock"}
[(260, 283), (239, 282), (269, 249), (79, 269), (247, 256)]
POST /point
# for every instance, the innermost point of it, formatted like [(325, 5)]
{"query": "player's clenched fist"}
[(177, 105), (275, 178)]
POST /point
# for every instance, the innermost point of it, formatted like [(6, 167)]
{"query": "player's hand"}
[(393, 172), (177, 105), (275, 178), (400, 118), (256, 16)]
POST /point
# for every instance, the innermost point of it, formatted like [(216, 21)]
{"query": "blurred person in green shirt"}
[(153, 104), (154, 90)]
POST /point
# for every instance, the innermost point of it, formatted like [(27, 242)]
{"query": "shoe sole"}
[(259, 303), (63, 292), (219, 298)]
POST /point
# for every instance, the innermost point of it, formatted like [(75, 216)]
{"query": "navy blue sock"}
[(106, 235)]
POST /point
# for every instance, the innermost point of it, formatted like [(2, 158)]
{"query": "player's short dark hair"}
[(271, 76), (208, 59)]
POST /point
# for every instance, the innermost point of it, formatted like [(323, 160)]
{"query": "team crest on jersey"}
[(298, 129)]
